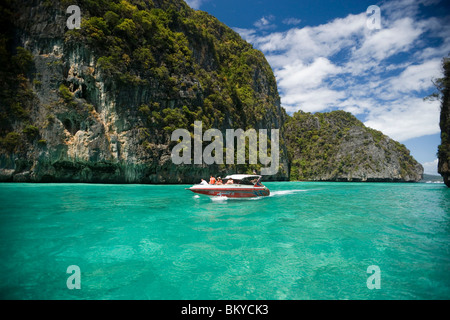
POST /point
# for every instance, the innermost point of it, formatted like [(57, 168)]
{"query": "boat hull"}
[(250, 192)]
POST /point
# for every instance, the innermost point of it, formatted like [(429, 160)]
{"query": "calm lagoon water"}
[(306, 241)]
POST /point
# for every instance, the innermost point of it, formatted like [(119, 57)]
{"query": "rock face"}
[(336, 146), (99, 104), (444, 148)]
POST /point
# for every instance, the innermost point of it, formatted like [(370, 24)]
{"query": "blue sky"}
[(325, 57)]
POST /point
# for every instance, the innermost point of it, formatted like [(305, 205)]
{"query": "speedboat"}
[(234, 186)]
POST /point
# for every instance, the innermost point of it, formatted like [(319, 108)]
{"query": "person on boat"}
[(219, 181), (203, 182), (212, 180), (230, 181)]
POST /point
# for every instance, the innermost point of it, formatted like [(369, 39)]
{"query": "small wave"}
[(196, 196), (284, 192), (255, 198), (219, 198), (222, 198)]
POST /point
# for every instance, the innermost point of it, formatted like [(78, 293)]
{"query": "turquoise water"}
[(306, 241)]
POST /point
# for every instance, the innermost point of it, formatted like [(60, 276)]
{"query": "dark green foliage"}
[(18, 111), (22, 60), (16, 64), (65, 93), (31, 131), (10, 141), (15, 92)]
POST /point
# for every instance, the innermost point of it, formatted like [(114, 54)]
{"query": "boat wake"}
[(223, 198), (219, 198), (284, 192), (272, 194)]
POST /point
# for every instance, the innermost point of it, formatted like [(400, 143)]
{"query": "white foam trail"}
[(196, 196), (254, 198), (219, 198), (283, 192)]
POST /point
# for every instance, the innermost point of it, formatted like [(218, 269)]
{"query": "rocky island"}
[(335, 146)]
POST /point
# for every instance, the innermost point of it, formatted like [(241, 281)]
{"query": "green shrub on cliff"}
[(10, 141), (22, 60), (65, 93), (31, 131), (15, 89)]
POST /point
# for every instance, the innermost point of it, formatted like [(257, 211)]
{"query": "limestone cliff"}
[(444, 123), (99, 103), (336, 146)]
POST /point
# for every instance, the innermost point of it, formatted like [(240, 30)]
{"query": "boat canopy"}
[(250, 179)]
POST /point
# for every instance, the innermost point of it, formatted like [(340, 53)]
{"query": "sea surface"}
[(308, 240)]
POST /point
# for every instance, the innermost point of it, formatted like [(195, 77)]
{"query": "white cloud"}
[(416, 77), (398, 9), (304, 85), (306, 76), (195, 4), (247, 34), (292, 21), (405, 118), (431, 167), (381, 74), (309, 43), (357, 106), (265, 23), (316, 100), (380, 44)]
